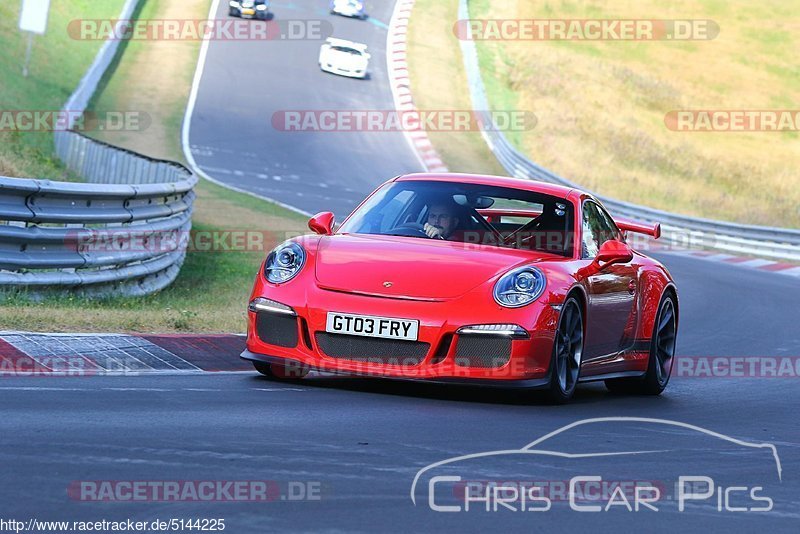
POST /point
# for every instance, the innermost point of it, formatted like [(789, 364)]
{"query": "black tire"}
[(231, 12), (279, 371), (662, 354), (565, 365)]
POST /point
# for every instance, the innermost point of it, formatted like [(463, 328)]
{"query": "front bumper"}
[(260, 14), (333, 69), (354, 13), (529, 383), (441, 353)]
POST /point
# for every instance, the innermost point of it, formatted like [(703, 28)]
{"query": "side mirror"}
[(611, 252), (321, 223)]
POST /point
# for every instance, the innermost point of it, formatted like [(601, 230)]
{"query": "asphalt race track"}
[(356, 444), (360, 442), (246, 82)]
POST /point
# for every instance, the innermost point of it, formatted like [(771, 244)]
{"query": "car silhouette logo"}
[(533, 448), (387, 284)]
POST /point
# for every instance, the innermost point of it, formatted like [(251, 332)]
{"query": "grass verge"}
[(210, 294), (57, 64), (601, 105), (438, 82)]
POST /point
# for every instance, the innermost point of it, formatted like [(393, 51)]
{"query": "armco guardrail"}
[(679, 230), (123, 234)]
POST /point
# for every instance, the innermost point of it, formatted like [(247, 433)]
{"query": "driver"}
[(442, 221)]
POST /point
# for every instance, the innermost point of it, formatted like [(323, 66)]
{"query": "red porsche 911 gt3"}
[(468, 278)]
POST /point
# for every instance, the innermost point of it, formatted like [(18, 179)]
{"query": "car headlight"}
[(261, 7), (234, 3), (284, 262), (519, 287)]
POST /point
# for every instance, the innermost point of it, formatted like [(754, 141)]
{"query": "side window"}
[(598, 228), (611, 226), (591, 242)]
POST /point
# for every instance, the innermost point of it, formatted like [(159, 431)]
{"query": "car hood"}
[(407, 267), (345, 59)]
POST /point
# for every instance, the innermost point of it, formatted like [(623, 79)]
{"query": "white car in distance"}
[(344, 58), (349, 8)]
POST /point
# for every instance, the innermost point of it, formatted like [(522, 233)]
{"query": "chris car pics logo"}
[(451, 486)]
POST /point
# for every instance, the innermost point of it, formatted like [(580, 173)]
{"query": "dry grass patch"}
[(152, 78), (601, 105), (438, 82), (211, 292)]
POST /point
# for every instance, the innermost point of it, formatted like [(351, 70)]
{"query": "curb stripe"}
[(34, 353), (209, 353), (397, 64), (775, 267), (737, 259), (760, 264)]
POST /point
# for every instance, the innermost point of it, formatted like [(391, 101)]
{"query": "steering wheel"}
[(409, 229)]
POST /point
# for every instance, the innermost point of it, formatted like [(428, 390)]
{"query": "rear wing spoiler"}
[(651, 229)]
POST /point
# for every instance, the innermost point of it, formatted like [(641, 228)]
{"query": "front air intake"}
[(482, 351), (277, 329), (372, 350)]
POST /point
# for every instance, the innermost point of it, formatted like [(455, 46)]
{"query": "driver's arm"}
[(432, 231)]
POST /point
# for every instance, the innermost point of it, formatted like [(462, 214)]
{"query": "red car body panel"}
[(448, 285)]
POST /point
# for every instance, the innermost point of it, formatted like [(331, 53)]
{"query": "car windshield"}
[(469, 213), (346, 50)]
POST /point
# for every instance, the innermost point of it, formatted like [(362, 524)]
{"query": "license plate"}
[(370, 326), (248, 12)]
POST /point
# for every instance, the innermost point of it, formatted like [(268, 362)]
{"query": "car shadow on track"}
[(585, 394)]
